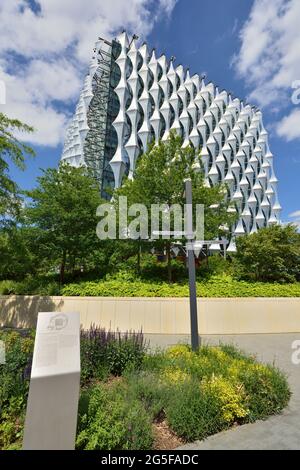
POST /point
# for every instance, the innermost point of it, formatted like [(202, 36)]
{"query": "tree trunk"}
[(138, 263), (207, 257), (73, 265), (62, 267), (168, 251)]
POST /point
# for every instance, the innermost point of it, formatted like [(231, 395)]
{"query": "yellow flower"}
[(27, 345), (230, 395), (10, 339), (175, 375), (179, 351)]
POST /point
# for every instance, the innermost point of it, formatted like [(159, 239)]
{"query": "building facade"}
[(131, 97)]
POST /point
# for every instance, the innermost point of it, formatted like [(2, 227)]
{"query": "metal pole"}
[(191, 266)]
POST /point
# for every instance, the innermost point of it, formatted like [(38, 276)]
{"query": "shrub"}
[(214, 265), (231, 398), (150, 390), (196, 410), (106, 352), (30, 286), (14, 380), (193, 414), (7, 287), (126, 285), (225, 386), (266, 388), (272, 254), (215, 286), (114, 420), (15, 372), (198, 393), (153, 270)]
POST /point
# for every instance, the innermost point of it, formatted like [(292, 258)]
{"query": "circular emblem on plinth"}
[(58, 322)]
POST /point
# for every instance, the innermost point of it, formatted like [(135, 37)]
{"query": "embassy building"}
[(131, 97)]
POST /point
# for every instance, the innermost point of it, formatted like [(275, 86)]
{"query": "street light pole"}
[(191, 266)]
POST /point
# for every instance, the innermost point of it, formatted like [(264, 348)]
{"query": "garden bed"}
[(134, 398), (215, 286)]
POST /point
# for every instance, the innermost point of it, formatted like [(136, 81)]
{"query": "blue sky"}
[(248, 47)]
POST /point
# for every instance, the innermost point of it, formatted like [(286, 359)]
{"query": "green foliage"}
[(105, 352), (8, 287), (216, 387), (147, 387), (11, 149), (14, 380), (18, 252), (150, 269), (114, 420), (215, 286), (193, 414), (63, 208), (197, 393), (122, 288), (266, 389), (214, 265), (272, 254), (124, 284), (31, 286), (159, 179)]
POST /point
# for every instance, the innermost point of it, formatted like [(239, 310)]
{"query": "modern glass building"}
[(130, 97)]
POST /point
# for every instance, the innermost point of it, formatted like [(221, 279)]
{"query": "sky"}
[(248, 47)]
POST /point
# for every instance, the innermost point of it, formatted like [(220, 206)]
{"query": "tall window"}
[(214, 122), (207, 131), (223, 139)]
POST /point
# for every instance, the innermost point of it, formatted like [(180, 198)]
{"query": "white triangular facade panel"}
[(154, 96)]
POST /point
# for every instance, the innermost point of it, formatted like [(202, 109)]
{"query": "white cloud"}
[(55, 45), (269, 57), (29, 98), (289, 126), (258, 37), (295, 214)]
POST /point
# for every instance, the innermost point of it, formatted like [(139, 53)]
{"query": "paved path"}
[(278, 432)]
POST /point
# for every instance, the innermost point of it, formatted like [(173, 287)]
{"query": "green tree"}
[(18, 251), (271, 254), (11, 149), (63, 208), (159, 179)]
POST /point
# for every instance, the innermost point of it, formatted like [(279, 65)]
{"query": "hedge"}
[(215, 286), (218, 286)]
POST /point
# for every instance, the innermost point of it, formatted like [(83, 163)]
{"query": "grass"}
[(132, 398)]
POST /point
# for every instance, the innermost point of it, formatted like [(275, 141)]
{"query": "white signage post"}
[(52, 407)]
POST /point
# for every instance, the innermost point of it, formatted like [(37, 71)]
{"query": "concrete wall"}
[(161, 315)]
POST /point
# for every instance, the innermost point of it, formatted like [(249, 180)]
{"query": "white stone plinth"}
[(52, 406)]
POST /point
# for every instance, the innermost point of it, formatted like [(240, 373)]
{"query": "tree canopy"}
[(159, 179), (63, 210), (271, 254), (11, 150)]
